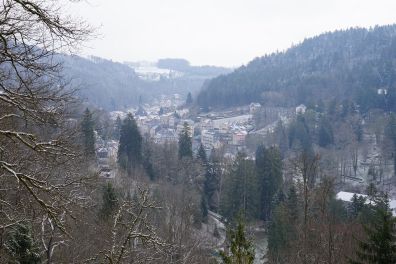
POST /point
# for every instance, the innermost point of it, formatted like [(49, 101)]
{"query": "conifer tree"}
[(185, 142), (109, 201), (212, 180), (21, 246), (282, 226), (292, 203), (189, 99), (325, 133), (130, 145), (269, 173), (201, 155), (117, 128), (357, 205), (278, 231), (299, 134), (204, 208), (240, 192), (87, 128), (240, 247), (147, 163), (380, 245), (216, 232), (208, 188)]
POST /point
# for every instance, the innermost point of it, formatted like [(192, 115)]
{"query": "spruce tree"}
[(380, 245), (325, 133), (207, 185), (269, 173), (185, 142), (212, 180), (130, 145), (201, 155), (87, 128), (117, 128), (282, 228), (299, 135), (292, 203), (357, 205), (204, 208), (216, 232), (109, 201), (189, 99), (240, 192), (278, 232), (21, 246), (147, 163), (241, 250)]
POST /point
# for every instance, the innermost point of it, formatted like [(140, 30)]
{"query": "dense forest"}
[(347, 64)]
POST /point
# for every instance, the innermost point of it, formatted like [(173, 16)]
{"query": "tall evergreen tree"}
[(240, 247), (325, 133), (292, 203), (201, 155), (189, 99), (281, 137), (357, 205), (109, 201), (87, 128), (117, 128), (299, 134), (212, 180), (204, 208), (208, 188), (147, 163), (21, 246), (269, 173), (380, 246), (240, 192), (130, 145), (282, 225), (185, 142), (278, 233)]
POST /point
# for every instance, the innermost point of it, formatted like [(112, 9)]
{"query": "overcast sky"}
[(218, 32)]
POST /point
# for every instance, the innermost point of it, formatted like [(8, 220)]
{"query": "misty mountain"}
[(356, 64), (112, 85)]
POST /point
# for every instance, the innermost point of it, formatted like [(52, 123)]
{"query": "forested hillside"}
[(112, 85), (102, 82), (349, 64)]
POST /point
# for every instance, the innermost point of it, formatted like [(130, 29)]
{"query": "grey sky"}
[(219, 32)]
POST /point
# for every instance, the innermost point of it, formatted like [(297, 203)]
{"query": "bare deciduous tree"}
[(39, 178)]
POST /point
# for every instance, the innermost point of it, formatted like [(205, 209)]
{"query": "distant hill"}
[(112, 85), (349, 64), (183, 65), (104, 83)]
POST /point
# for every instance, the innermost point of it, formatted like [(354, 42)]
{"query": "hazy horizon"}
[(221, 33)]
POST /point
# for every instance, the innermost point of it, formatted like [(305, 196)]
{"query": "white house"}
[(254, 107), (301, 109)]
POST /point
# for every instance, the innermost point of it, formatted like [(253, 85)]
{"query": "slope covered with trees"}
[(113, 85), (348, 64)]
